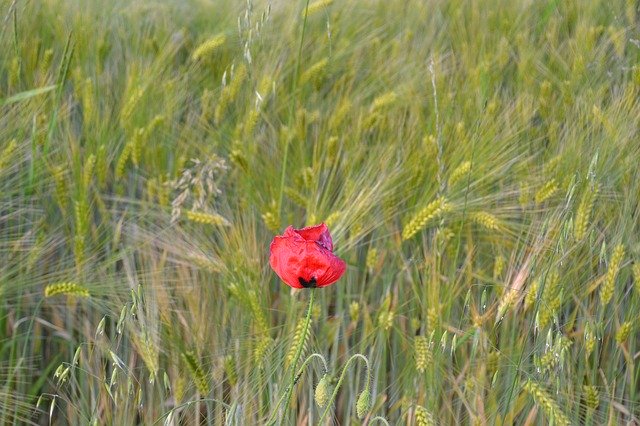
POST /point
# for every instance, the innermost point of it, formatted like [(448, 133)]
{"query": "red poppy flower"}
[(303, 258)]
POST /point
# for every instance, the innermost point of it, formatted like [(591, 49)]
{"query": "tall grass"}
[(477, 165)]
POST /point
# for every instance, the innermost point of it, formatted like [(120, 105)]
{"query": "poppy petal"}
[(333, 272), (283, 260), (303, 258), (289, 232), (319, 233)]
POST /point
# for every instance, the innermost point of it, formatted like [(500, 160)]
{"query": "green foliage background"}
[(476, 162)]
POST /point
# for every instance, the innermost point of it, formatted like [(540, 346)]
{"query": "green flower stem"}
[(325, 370), (294, 377), (344, 371)]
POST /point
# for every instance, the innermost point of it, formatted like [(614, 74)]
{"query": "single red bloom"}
[(303, 258)]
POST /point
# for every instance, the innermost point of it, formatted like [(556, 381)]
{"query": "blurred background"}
[(476, 163)]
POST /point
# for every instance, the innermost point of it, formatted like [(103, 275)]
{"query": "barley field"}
[(477, 164)]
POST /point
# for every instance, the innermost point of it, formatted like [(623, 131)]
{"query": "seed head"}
[(323, 391), (364, 403)]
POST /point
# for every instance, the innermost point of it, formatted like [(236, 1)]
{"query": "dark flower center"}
[(312, 283)]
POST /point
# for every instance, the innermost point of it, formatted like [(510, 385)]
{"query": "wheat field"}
[(477, 163)]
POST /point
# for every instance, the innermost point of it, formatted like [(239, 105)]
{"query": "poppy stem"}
[(325, 369), (367, 385), (294, 375)]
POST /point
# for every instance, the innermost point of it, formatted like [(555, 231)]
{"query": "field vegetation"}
[(477, 164)]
